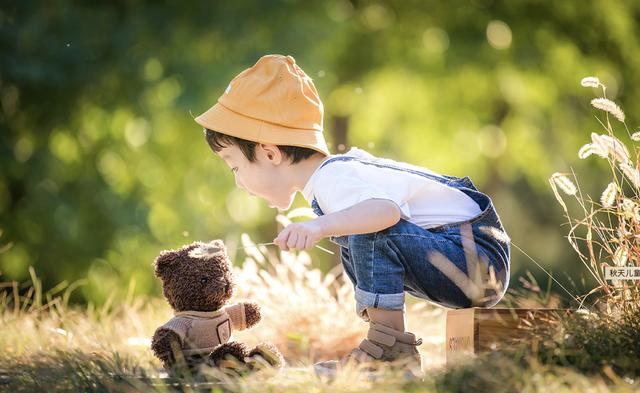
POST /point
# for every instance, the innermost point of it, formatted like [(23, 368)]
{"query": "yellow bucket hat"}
[(274, 102)]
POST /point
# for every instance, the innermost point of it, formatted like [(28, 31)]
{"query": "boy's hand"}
[(301, 235)]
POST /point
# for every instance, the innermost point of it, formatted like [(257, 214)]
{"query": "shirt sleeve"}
[(237, 315), (335, 193), (178, 325)]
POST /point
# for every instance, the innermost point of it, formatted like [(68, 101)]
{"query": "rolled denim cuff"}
[(388, 301)]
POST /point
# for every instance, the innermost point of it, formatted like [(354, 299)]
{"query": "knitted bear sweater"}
[(201, 331)]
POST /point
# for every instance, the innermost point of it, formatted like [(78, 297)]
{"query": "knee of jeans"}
[(362, 242), (360, 238), (494, 292), (370, 235), (342, 241)]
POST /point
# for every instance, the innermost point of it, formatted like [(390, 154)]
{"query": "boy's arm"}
[(371, 215)]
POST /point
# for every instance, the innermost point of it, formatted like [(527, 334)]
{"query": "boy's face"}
[(268, 177)]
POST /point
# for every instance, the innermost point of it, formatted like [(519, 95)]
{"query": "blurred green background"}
[(102, 166)]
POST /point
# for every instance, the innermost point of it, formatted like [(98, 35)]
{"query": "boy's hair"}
[(217, 141)]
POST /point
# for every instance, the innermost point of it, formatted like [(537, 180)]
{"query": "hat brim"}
[(220, 118)]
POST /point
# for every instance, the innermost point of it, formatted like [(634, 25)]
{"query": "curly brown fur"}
[(161, 346), (252, 314), (198, 277), (233, 348), (195, 283)]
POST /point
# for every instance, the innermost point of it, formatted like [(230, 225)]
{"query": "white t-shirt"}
[(423, 201)]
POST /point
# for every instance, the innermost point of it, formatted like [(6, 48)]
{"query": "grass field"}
[(48, 345)]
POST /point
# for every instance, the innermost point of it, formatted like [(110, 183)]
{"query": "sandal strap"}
[(388, 336), (371, 348), (380, 334), (381, 337)]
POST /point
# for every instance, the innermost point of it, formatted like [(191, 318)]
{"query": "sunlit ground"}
[(310, 316)]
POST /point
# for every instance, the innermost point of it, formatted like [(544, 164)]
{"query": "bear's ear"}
[(166, 262), (219, 244), (209, 250)]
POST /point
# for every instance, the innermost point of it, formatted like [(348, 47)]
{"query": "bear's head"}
[(196, 277)]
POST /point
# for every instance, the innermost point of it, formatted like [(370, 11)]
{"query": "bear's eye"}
[(204, 280)]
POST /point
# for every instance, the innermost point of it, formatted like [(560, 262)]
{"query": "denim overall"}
[(382, 265)]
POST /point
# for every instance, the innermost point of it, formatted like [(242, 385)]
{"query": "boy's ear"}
[(271, 152), (165, 263)]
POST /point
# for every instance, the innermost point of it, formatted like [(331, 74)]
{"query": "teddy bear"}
[(197, 282)]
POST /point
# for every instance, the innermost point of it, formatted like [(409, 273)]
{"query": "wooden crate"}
[(470, 331)]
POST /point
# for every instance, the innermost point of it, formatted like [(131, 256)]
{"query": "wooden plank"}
[(470, 331)]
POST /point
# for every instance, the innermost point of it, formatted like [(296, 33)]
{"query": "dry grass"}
[(611, 222), (310, 316), (48, 345), (56, 347)]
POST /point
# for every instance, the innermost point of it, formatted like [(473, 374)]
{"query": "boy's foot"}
[(383, 344)]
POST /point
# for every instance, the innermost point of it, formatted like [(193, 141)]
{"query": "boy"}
[(400, 227)]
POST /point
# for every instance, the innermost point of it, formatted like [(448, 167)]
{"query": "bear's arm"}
[(161, 345), (243, 315)]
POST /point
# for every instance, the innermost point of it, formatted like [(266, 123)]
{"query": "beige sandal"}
[(383, 344)]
